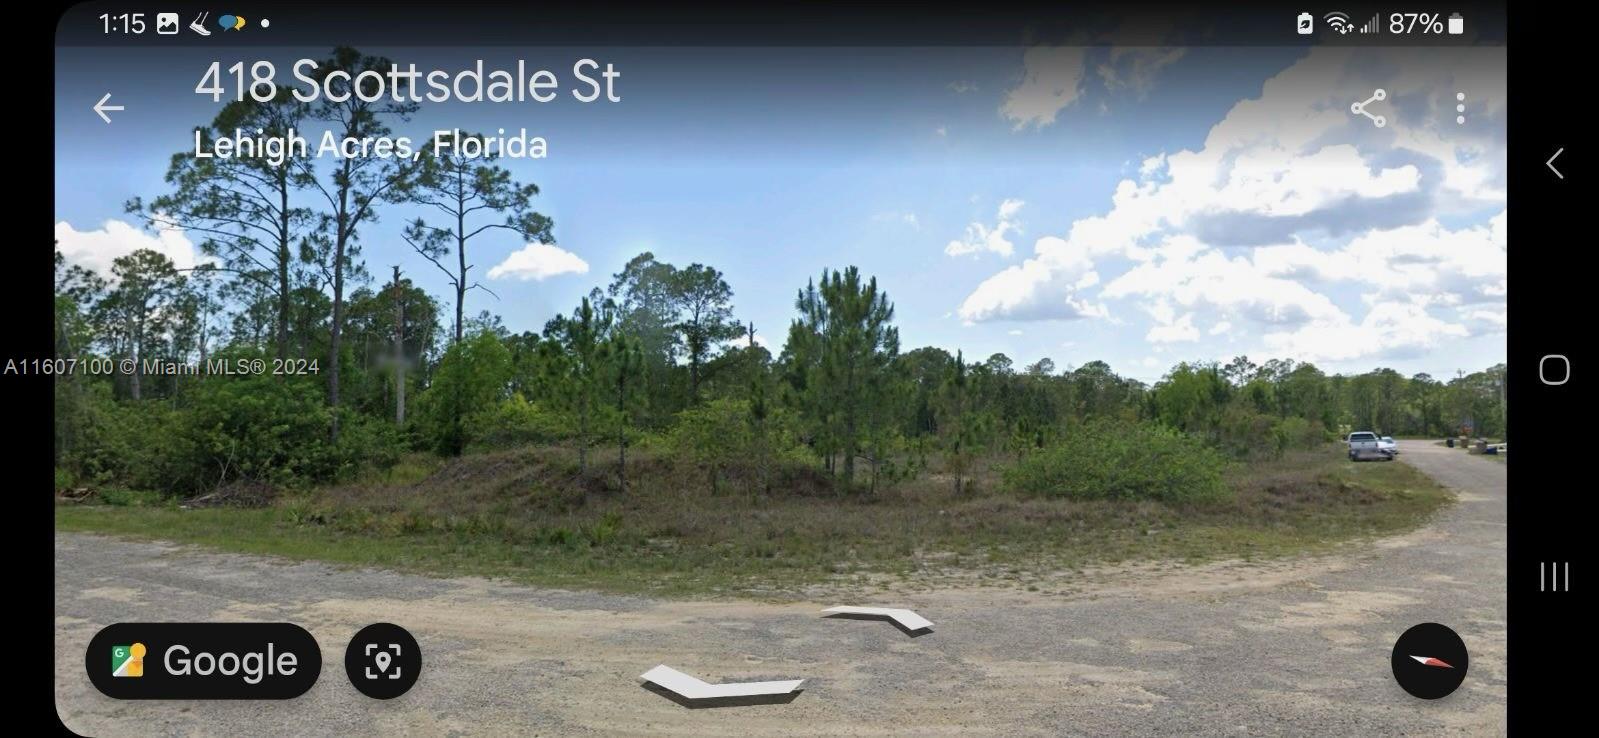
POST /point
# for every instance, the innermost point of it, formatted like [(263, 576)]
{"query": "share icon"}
[(1359, 108)]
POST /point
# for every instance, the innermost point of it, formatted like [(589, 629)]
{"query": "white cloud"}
[(1191, 275), (980, 238), (1389, 330), (1288, 195), (1014, 332), (1052, 79), (1424, 263), (961, 86), (538, 261), (941, 131), (1486, 320), (96, 249), (1047, 286), (1170, 327), (1152, 166)]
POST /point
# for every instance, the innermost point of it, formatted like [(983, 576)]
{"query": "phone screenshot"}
[(652, 369)]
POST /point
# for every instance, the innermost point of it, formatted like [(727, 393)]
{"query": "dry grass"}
[(534, 516)]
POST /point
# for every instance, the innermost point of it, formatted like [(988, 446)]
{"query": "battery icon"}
[(1457, 24)]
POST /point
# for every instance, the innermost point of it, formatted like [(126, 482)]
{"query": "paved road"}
[(1288, 648)]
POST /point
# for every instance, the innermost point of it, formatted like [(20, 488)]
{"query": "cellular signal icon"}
[(1338, 22), (1372, 26)]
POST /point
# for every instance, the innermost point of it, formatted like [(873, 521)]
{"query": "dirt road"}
[(1298, 647)]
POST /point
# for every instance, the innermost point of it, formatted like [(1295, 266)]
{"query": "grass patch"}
[(532, 516)]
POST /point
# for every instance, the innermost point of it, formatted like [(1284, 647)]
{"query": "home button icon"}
[(1554, 369)]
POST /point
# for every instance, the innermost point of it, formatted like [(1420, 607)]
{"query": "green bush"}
[(713, 433), (253, 427), (1120, 461), (517, 422), (135, 445), (1245, 433), (723, 434), (1294, 433), (468, 380), (256, 427)]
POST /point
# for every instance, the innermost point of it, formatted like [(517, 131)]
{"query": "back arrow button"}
[(1551, 162), (101, 107)]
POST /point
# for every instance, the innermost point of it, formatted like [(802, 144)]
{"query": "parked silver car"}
[(1368, 445), (1387, 443)]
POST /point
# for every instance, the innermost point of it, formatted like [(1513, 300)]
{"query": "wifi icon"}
[(1338, 22)]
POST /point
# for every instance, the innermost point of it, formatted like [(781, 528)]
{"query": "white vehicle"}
[(1387, 443), (1367, 445)]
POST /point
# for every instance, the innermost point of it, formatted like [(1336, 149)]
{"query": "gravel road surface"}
[(1281, 648)]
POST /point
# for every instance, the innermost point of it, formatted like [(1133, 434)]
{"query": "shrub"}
[(135, 445), (1244, 433), (254, 427), (1110, 460), (468, 380), (723, 434), (259, 428), (1295, 433), (517, 422)]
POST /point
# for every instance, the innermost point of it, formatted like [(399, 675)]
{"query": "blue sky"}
[(1141, 206)]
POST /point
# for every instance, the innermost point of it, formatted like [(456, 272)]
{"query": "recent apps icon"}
[(127, 661)]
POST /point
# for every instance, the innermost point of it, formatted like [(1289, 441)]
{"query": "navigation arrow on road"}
[(101, 107), (906, 619), (694, 689)]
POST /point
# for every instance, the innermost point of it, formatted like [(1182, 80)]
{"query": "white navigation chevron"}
[(907, 619), (694, 689)]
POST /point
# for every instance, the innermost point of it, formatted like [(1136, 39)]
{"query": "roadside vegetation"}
[(522, 516)]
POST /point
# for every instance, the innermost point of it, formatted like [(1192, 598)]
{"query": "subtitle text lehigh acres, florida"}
[(329, 84)]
